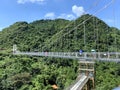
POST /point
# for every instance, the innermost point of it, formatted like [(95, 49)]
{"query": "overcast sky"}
[(12, 11)]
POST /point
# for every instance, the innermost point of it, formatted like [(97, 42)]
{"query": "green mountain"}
[(53, 35), (31, 35), (40, 73)]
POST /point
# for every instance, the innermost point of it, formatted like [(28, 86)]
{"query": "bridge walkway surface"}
[(79, 83), (98, 56)]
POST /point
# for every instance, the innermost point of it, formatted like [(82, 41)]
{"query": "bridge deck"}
[(80, 82), (99, 56)]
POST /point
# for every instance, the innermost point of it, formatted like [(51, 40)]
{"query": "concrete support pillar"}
[(87, 67), (14, 48)]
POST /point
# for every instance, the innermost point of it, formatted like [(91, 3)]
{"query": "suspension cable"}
[(93, 5), (96, 12), (97, 41), (94, 37), (114, 25), (84, 35), (104, 7)]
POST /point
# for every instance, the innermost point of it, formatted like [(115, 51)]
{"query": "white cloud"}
[(109, 20), (1, 28), (50, 15), (30, 1), (67, 16), (78, 11)]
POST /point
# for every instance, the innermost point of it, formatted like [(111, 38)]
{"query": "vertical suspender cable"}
[(84, 36), (94, 37), (67, 40), (61, 43), (75, 35), (107, 39), (96, 21), (114, 25)]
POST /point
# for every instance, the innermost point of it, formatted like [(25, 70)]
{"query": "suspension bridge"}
[(86, 60)]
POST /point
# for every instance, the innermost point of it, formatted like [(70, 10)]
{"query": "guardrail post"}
[(116, 55), (85, 55)]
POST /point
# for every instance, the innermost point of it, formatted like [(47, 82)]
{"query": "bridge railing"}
[(85, 55), (79, 83)]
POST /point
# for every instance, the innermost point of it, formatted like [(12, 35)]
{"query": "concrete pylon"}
[(87, 67), (14, 48)]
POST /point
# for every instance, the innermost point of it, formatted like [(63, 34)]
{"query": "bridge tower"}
[(14, 48), (87, 68)]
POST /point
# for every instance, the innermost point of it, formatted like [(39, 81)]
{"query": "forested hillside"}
[(53, 35), (30, 36), (40, 73), (35, 73)]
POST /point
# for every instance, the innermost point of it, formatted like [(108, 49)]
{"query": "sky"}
[(12, 11)]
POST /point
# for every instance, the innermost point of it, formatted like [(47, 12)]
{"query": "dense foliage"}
[(39, 73), (53, 35), (107, 75), (34, 73)]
